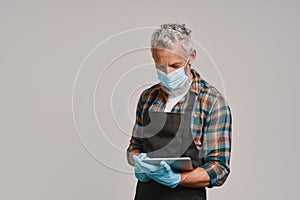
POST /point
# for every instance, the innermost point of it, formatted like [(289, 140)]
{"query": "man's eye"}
[(175, 66)]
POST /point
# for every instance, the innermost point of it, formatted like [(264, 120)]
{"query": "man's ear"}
[(192, 57)]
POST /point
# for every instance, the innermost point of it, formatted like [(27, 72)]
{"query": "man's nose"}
[(167, 69)]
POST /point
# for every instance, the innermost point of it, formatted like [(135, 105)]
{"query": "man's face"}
[(169, 60)]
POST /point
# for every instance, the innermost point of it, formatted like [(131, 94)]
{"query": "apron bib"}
[(167, 134)]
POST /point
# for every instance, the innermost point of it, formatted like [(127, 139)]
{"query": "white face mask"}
[(173, 80)]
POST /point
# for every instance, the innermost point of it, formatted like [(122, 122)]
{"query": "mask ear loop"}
[(187, 60), (189, 64)]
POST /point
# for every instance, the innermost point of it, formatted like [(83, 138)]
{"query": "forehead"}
[(161, 55)]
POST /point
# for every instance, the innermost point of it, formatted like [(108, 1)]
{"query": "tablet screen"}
[(177, 164)]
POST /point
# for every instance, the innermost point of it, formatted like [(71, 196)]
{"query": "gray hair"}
[(170, 35)]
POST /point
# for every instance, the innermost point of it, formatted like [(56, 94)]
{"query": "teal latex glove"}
[(162, 173), (165, 175), (139, 173)]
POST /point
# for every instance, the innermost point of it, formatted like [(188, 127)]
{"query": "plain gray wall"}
[(254, 45)]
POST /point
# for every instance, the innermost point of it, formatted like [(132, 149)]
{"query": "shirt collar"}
[(196, 81)]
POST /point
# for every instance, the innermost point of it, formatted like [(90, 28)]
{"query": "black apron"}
[(168, 134)]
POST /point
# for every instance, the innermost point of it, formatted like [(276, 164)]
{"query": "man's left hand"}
[(163, 174)]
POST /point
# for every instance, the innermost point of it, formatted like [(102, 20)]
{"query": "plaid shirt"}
[(211, 124)]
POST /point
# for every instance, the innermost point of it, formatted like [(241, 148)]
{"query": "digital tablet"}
[(177, 164)]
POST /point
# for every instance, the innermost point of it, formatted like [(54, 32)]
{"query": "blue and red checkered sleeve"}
[(216, 148)]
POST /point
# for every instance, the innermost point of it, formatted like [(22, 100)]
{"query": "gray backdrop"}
[(71, 73)]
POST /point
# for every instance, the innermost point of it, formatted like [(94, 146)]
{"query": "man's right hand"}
[(139, 172)]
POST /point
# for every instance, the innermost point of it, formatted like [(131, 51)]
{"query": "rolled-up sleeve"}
[(216, 148), (136, 140)]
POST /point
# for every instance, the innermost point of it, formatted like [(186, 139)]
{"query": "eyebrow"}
[(176, 63)]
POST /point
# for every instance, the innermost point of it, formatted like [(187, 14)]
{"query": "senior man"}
[(183, 110)]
